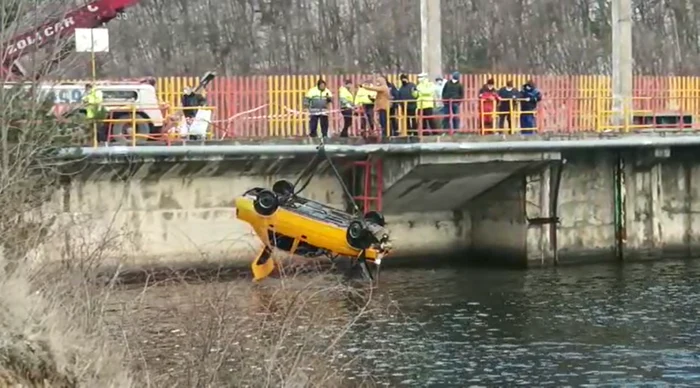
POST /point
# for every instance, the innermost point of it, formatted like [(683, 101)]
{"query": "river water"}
[(599, 325)]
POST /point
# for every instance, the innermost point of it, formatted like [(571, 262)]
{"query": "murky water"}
[(582, 326)]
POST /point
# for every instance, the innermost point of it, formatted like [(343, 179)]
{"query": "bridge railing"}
[(264, 106), (135, 124)]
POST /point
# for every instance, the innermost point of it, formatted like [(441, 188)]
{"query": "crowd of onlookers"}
[(433, 106)]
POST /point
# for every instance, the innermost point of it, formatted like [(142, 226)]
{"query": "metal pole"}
[(622, 61), (220, 152), (93, 65), (431, 37)]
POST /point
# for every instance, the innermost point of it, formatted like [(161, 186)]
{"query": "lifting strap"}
[(310, 170)]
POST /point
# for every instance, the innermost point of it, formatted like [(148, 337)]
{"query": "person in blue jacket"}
[(530, 96)]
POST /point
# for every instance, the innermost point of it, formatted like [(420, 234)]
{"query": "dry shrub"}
[(281, 333), (61, 327)]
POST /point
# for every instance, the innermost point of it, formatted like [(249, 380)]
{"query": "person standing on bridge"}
[(365, 99), (317, 100), (346, 98), (530, 97), (407, 103), (93, 110), (507, 97), (452, 95), (425, 93), (382, 102), (190, 101)]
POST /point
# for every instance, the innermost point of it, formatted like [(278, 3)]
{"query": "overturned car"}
[(285, 221)]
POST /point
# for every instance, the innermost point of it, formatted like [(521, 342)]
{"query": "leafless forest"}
[(241, 37), (306, 36)]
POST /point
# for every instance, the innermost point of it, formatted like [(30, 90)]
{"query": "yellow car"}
[(288, 222)]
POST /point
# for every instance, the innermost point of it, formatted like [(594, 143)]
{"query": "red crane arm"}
[(88, 16)]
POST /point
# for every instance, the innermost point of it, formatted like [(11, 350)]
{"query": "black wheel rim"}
[(355, 230), (266, 201)]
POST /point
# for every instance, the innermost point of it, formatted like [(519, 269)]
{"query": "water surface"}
[(601, 325)]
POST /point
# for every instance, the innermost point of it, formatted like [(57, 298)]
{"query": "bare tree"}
[(243, 37)]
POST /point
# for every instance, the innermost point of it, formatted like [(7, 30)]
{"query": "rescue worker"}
[(346, 103), (452, 96), (425, 93), (407, 103), (365, 98), (382, 101), (488, 99), (317, 101), (507, 96), (93, 110), (530, 97)]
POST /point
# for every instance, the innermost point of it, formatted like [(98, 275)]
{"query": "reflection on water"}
[(582, 326)]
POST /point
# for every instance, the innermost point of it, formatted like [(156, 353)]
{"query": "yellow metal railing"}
[(135, 117)]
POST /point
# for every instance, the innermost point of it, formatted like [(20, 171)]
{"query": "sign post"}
[(92, 40)]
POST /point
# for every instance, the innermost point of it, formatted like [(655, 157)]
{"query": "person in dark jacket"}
[(452, 96), (530, 97), (407, 103), (507, 97), (190, 100), (394, 110)]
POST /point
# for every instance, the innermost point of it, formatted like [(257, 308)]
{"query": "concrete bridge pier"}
[(486, 194)]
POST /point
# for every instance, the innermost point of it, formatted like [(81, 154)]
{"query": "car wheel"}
[(266, 203), (357, 235), (375, 218), (283, 188)]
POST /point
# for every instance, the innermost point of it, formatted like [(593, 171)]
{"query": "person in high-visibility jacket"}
[(317, 100), (425, 94), (93, 101), (365, 99), (347, 105), (93, 107)]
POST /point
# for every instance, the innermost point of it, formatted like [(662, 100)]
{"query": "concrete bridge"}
[(526, 202)]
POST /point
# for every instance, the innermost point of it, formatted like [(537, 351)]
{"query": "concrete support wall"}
[(663, 205), (498, 227), (136, 216), (657, 199), (611, 205)]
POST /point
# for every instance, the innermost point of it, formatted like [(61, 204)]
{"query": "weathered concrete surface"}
[(162, 213), (427, 183), (651, 213), (611, 204)]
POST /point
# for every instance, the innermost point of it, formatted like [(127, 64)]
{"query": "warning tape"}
[(290, 113)]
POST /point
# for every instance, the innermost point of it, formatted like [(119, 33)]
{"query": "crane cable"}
[(312, 168)]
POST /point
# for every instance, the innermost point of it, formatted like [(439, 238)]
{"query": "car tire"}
[(357, 235), (283, 188), (266, 203), (375, 218)]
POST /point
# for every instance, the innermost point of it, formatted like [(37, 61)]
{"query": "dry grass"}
[(64, 329)]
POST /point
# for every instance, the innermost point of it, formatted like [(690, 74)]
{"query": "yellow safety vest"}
[(426, 95), (317, 100), (346, 98), (94, 103), (364, 96)]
